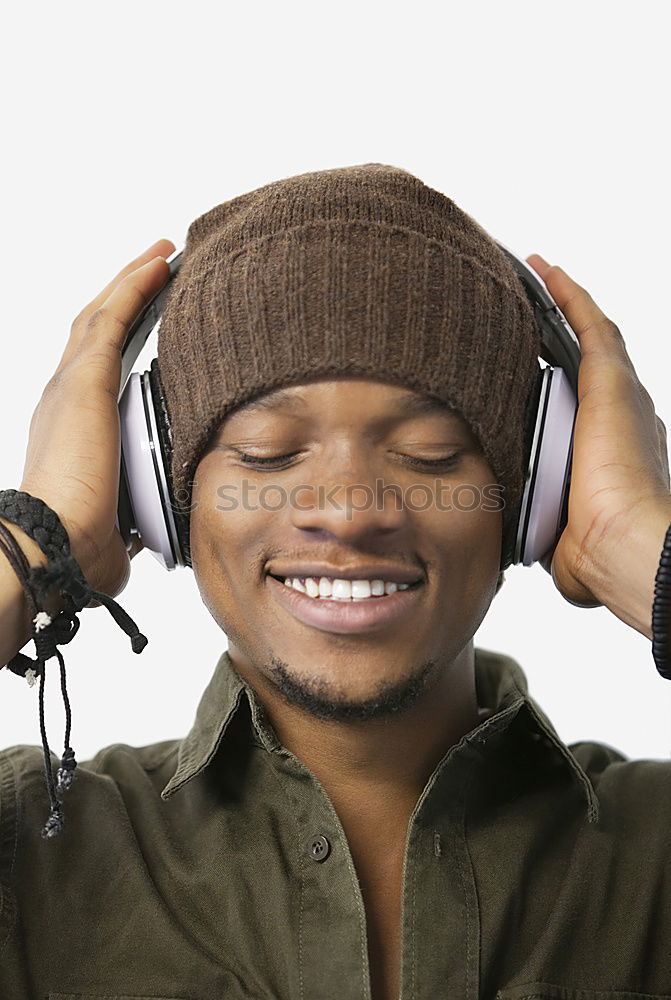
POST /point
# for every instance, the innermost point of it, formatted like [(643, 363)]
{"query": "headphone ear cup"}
[(546, 488), (528, 428), (530, 417), (181, 543)]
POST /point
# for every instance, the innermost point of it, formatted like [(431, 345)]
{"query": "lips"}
[(347, 617), (369, 571)]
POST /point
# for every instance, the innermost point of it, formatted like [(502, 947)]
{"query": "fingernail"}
[(152, 245)]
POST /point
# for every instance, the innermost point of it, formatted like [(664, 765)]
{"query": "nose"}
[(349, 498)]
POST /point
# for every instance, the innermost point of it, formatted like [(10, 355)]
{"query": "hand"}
[(620, 470), (74, 447)]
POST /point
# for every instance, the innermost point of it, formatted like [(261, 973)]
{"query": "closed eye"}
[(437, 464), (281, 461), (263, 461)]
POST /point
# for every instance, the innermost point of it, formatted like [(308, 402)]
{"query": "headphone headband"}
[(138, 334), (559, 343), (146, 504)]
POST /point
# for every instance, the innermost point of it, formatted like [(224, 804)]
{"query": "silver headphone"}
[(146, 503)]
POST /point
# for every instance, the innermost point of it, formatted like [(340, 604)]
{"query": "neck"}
[(380, 766)]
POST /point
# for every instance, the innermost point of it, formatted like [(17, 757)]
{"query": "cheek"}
[(228, 541), (478, 515), (465, 529), (476, 520), (218, 536), (464, 512)]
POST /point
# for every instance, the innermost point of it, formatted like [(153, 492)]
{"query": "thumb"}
[(570, 588), (136, 546)]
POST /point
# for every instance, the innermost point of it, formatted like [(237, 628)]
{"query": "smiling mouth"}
[(346, 614), (323, 589)]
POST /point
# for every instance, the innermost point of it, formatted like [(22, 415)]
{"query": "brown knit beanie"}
[(361, 270)]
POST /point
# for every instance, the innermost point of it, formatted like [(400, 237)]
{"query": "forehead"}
[(397, 400)]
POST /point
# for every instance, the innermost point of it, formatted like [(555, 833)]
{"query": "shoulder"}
[(595, 758), (112, 776), (22, 764), (609, 768), (112, 812), (634, 794)]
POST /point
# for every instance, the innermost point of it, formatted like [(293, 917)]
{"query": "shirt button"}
[(319, 848)]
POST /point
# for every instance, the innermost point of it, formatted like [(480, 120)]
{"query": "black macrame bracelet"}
[(661, 611), (62, 571), (40, 621)]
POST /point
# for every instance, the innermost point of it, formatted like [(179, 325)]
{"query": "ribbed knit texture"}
[(363, 270)]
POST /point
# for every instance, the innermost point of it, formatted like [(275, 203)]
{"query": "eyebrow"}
[(414, 405), (409, 404), (283, 399)]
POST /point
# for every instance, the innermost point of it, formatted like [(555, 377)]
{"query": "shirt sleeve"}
[(8, 834)]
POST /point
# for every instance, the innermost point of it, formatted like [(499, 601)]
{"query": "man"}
[(367, 805)]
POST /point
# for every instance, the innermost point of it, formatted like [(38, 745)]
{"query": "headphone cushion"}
[(528, 429), (182, 518), (165, 441)]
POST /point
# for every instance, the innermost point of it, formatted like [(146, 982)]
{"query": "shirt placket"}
[(332, 946), (440, 921)]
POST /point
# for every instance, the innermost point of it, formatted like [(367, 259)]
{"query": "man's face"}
[(351, 491)]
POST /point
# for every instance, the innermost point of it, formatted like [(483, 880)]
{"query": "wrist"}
[(35, 557), (78, 545), (623, 572)]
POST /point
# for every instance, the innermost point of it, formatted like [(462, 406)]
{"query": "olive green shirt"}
[(216, 867)]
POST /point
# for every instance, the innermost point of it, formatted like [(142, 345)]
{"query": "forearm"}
[(624, 575), (15, 614)]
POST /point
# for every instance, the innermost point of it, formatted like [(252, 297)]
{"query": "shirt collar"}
[(503, 689), (502, 693), (217, 707)]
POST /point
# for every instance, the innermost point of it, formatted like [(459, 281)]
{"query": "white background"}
[(123, 122)]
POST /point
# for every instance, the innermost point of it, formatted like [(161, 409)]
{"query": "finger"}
[(570, 589), (100, 343), (136, 546), (162, 248), (596, 333), (663, 451), (546, 561)]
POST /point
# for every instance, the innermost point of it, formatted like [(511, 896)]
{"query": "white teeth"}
[(343, 590)]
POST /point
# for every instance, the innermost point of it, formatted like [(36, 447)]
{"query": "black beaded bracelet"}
[(64, 574), (661, 610)]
